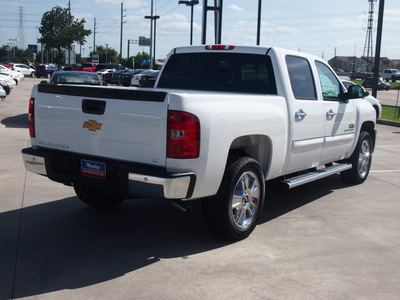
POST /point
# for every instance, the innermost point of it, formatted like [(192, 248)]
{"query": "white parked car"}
[(9, 80), (19, 76), (12, 76), (371, 99), (2, 93), (24, 69), (104, 71), (136, 78)]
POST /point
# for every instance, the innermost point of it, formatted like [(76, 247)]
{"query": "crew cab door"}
[(307, 117), (339, 125)]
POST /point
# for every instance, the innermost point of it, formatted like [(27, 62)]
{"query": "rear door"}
[(109, 122)]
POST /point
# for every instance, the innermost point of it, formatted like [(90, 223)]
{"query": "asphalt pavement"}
[(324, 240)]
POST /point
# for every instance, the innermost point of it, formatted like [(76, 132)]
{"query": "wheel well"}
[(370, 128), (258, 147)]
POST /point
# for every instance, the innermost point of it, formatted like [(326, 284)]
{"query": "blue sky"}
[(316, 27)]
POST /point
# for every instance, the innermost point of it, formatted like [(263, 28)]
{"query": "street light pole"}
[(190, 3), (106, 52), (152, 37)]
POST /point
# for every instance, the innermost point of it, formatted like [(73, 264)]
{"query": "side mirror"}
[(356, 91)]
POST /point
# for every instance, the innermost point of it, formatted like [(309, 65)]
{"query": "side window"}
[(329, 84), (301, 78)]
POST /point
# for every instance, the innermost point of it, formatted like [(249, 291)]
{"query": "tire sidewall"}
[(353, 175), (232, 175)]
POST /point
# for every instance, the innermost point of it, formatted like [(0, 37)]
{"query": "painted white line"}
[(385, 171)]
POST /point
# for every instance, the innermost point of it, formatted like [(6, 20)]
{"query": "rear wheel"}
[(234, 211), (360, 159), (98, 197)]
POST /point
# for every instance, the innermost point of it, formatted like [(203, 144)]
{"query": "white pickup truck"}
[(220, 122), (390, 74)]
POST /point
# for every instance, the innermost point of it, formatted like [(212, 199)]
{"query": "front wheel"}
[(360, 159), (234, 211)]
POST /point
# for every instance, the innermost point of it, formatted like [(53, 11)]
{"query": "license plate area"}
[(94, 169)]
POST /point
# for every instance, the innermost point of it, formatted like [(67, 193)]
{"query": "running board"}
[(315, 175)]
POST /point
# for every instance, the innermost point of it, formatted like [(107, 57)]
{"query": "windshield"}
[(228, 72)]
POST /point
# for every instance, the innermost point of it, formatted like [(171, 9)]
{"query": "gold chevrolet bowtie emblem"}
[(92, 125)]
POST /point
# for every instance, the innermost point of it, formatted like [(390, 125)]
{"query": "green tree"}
[(59, 29), (139, 58), (107, 54)]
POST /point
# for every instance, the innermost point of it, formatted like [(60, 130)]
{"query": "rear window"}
[(233, 72), (75, 78)]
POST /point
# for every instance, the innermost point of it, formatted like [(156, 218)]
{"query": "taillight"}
[(183, 140), (130, 76), (219, 47), (32, 132)]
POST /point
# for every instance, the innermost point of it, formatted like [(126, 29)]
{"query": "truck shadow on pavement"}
[(280, 201), (66, 245), (20, 121)]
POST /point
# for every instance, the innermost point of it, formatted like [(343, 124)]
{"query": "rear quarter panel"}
[(223, 118)]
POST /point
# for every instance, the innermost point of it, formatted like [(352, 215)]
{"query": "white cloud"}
[(235, 7), (131, 4)]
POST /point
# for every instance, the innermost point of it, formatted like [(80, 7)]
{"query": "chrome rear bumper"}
[(148, 183)]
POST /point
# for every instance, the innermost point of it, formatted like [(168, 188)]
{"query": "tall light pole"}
[(190, 3), (378, 48), (152, 40), (259, 22), (106, 52)]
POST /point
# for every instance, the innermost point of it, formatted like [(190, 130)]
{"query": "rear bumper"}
[(136, 179)]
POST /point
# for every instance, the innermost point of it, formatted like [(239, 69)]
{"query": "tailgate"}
[(124, 124)]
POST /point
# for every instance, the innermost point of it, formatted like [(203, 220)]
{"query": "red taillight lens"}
[(220, 47), (130, 76), (183, 140), (32, 132)]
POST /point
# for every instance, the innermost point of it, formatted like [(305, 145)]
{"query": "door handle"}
[(300, 114), (330, 113)]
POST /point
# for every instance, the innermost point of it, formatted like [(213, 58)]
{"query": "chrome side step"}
[(315, 175)]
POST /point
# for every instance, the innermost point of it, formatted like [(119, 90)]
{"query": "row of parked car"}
[(129, 77), (10, 75)]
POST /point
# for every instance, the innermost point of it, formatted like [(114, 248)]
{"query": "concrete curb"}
[(387, 122)]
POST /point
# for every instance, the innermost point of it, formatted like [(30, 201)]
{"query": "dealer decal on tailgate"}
[(93, 169)]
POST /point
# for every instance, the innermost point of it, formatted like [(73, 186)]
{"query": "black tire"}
[(394, 79), (97, 197), (360, 159), (33, 74), (243, 177)]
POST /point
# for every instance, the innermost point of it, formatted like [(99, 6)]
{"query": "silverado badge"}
[(92, 125)]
